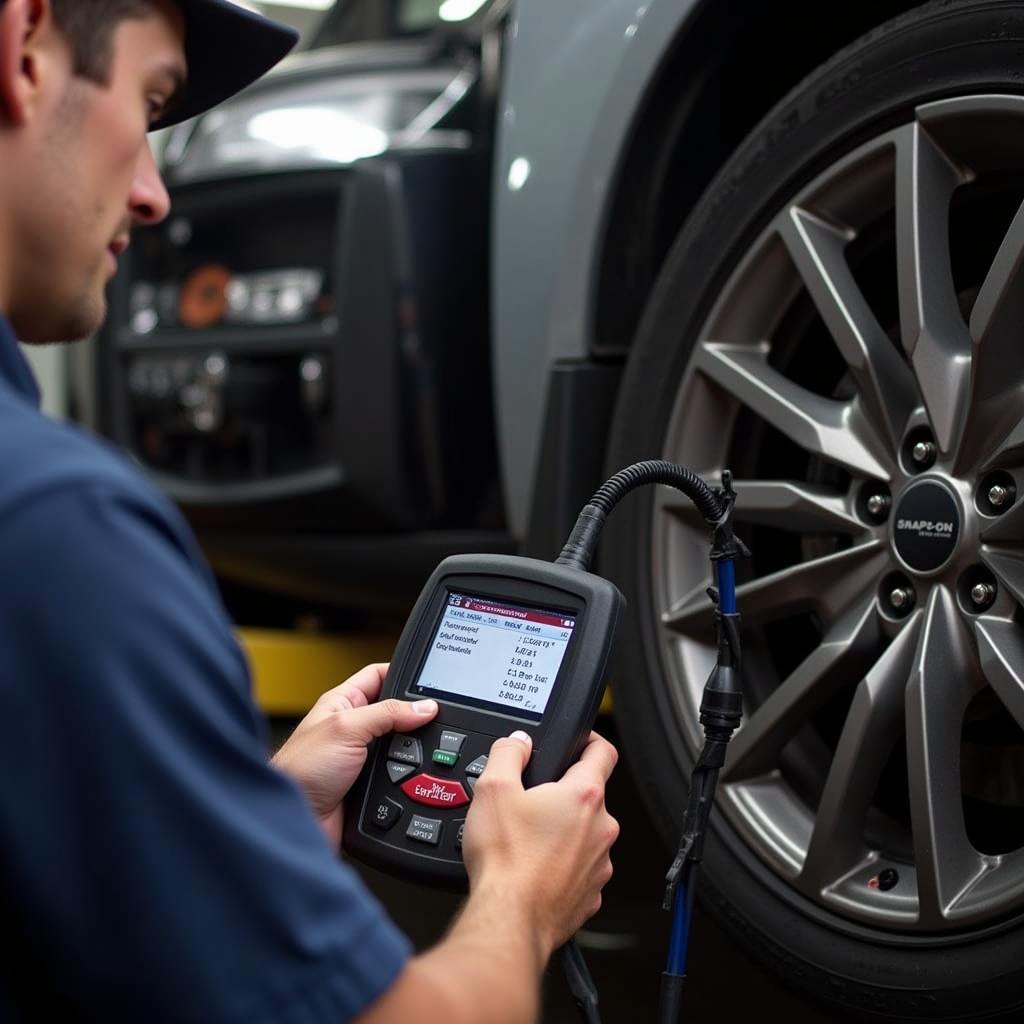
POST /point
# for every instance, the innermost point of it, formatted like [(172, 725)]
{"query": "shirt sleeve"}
[(152, 859)]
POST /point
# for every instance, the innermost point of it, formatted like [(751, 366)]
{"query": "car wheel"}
[(841, 323)]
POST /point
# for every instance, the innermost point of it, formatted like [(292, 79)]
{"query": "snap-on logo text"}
[(926, 527)]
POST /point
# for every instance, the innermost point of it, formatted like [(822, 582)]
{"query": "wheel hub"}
[(926, 526)]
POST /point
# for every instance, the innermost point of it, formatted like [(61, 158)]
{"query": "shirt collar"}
[(14, 368)]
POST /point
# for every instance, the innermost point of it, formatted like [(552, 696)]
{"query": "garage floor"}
[(625, 944)]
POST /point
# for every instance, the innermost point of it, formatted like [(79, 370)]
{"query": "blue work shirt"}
[(153, 867)]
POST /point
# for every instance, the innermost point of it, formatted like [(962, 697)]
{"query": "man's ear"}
[(27, 33)]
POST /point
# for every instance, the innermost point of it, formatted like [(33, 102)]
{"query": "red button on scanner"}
[(426, 789)]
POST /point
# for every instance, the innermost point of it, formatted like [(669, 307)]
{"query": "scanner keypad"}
[(430, 797)]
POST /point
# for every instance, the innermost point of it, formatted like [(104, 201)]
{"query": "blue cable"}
[(680, 936), (725, 578), (725, 572)]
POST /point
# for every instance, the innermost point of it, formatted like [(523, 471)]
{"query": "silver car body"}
[(553, 182)]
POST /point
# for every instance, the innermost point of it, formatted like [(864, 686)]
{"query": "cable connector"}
[(691, 842), (721, 708), (724, 542), (675, 870), (579, 548)]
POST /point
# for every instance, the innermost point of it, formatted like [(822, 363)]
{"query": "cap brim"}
[(227, 48)]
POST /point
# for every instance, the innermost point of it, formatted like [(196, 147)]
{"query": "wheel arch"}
[(693, 116), (696, 109)]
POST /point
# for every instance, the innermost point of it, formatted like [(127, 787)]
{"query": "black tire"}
[(937, 51)]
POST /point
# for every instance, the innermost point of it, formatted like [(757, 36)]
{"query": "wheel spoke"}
[(997, 356), (787, 504), (1010, 451), (827, 585), (940, 688), (684, 616), (932, 326), (882, 377), (1008, 566), (1009, 527), (841, 657), (872, 727), (838, 431), (1001, 649)]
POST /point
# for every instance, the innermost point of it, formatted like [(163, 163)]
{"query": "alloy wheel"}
[(864, 370)]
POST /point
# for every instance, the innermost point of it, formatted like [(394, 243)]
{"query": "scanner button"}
[(385, 814), (452, 741), (448, 757), (435, 792), (405, 749), (460, 826), (424, 830), (477, 766), (397, 772)]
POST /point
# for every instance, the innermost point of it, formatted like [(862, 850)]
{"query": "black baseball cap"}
[(227, 47)]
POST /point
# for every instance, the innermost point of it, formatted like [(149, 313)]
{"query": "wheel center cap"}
[(926, 525)]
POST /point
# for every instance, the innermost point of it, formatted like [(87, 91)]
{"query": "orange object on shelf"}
[(204, 296)]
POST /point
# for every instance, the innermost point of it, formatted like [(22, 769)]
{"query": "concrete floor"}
[(625, 943)]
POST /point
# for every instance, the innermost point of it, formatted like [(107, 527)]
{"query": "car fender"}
[(575, 76)]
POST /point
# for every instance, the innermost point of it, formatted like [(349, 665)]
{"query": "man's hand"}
[(537, 861), (328, 748), (549, 844)]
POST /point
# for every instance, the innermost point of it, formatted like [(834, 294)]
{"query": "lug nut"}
[(901, 598), (998, 495), (878, 504), (983, 594), (923, 453)]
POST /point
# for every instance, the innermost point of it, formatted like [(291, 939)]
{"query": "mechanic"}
[(153, 866)]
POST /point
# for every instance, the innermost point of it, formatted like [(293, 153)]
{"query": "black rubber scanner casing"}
[(558, 738)]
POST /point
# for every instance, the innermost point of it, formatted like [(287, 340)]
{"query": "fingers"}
[(362, 688), (508, 758), (598, 760), (365, 686), (373, 720)]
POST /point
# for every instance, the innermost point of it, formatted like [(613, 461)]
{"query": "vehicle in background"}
[(299, 355), (719, 232)]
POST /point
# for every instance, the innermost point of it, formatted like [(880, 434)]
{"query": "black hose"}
[(579, 548), (657, 471)]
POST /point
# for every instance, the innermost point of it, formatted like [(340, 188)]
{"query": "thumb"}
[(391, 715), (509, 757)]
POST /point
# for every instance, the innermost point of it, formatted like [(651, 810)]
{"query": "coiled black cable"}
[(658, 471), (579, 548)]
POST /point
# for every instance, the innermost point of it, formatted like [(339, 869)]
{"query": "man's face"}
[(89, 176)]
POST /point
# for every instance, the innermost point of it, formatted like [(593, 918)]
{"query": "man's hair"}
[(89, 26)]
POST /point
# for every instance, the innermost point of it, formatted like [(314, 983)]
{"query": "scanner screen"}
[(494, 655)]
